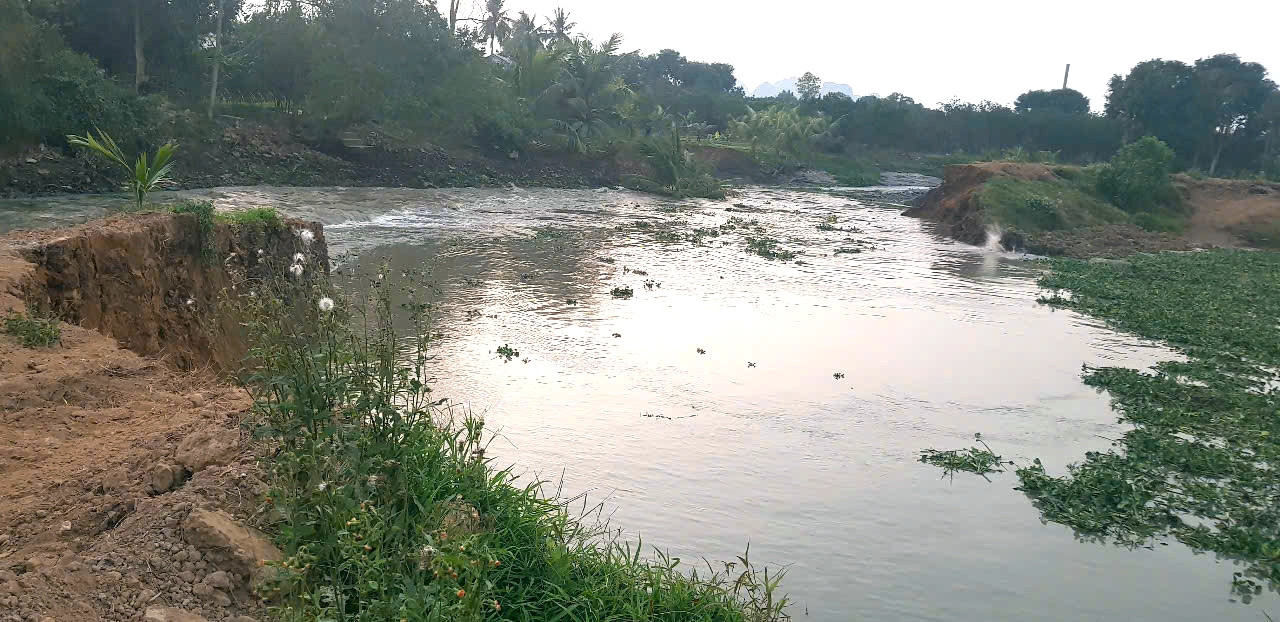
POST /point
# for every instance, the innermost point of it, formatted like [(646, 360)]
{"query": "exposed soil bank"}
[(253, 154), (125, 484), (1224, 213)]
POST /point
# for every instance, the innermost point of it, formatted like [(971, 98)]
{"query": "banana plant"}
[(143, 177)]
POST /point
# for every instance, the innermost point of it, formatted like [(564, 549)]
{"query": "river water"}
[(799, 429)]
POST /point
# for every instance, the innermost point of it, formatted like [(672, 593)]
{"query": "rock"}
[(65, 527), (203, 590), (208, 448), (170, 614), (187, 576), (216, 531), (196, 399), (115, 481), (220, 580), (221, 599), (164, 476), (145, 596), (31, 160)]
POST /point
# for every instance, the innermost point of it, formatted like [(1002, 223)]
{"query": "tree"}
[(1063, 101), (560, 25), (496, 25), (1270, 119), (1159, 98), (808, 86), (1231, 93), (217, 60)]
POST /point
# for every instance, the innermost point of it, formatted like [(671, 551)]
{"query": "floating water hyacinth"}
[(326, 304)]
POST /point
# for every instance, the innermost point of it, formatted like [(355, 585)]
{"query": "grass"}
[(1055, 204), (33, 331), (262, 217), (387, 507), (1198, 465)]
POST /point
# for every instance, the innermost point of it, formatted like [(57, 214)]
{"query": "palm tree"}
[(560, 25), (497, 26), (589, 91)]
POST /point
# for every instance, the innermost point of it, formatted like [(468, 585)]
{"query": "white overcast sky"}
[(933, 50)]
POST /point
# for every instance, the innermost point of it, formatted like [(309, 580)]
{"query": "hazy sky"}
[(933, 51)]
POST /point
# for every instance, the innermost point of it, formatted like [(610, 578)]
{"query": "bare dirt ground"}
[(109, 463), (1231, 212)]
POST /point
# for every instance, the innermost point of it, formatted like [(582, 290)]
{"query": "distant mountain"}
[(769, 90)]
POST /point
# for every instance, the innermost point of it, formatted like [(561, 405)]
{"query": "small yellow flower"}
[(462, 593)]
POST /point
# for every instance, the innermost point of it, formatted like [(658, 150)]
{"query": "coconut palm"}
[(589, 92), (560, 25), (496, 25), (143, 177)]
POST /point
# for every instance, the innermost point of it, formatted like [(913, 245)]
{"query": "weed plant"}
[(33, 331), (387, 508)]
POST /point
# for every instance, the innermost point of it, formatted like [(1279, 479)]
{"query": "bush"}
[(47, 91), (1138, 177)]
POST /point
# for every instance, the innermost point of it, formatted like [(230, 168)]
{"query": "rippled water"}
[(702, 453)]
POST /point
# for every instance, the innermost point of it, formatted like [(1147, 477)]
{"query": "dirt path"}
[(104, 454)]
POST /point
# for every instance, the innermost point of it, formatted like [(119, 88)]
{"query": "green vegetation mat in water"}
[(1199, 464)]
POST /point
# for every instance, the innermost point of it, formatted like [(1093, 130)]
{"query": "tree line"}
[(508, 81)]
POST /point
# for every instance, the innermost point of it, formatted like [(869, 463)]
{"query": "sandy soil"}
[(103, 455)]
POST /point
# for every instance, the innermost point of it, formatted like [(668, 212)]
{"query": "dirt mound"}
[(1230, 212), (154, 282), (93, 488), (955, 202)]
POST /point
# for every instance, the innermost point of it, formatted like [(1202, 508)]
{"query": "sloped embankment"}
[(153, 282), (1055, 210), (126, 485)]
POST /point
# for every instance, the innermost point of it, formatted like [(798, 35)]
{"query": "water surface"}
[(703, 453)]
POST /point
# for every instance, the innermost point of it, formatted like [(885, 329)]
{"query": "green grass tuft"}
[(32, 331), (261, 217)]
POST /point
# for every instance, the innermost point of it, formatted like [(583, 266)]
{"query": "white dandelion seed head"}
[(306, 235), (261, 252), (299, 258), (191, 301), (322, 486), (379, 276), (326, 304), (295, 269)]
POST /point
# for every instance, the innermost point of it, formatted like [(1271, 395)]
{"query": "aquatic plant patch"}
[(1199, 464)]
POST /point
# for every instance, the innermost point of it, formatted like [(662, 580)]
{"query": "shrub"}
[(32, 331), (1137, 178)]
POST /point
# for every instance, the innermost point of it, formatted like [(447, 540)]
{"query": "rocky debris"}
[(163, 477), (215, 531), (170, 614), (207, 447)]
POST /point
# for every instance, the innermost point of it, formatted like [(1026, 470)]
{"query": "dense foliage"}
[(508, 82)]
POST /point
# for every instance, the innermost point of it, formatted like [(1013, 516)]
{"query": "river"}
[(736, 399)]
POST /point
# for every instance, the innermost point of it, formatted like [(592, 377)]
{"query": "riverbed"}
[(735, 398)]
